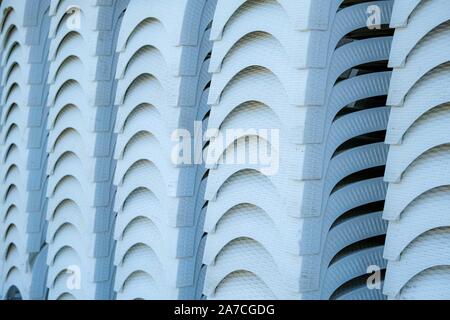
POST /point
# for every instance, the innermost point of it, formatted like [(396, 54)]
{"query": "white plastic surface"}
[(419, 156)]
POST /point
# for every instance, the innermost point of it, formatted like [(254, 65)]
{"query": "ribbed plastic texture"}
[(417, 168), (224, 149)]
